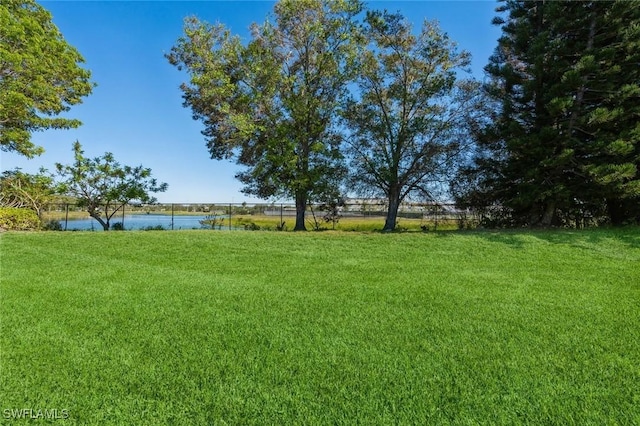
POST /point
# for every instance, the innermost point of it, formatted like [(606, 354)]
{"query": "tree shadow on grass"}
[(626, 237)]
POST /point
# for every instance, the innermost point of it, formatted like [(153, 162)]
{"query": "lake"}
[(142, 221)]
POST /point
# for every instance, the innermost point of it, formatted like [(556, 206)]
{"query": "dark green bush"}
[(19, 219), (251, 226), (118, 226), (52, 225)]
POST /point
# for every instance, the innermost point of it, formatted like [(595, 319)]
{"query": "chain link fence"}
[(352, 215)]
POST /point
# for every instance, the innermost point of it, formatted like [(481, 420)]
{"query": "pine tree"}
[(564, 136), (607, 119)]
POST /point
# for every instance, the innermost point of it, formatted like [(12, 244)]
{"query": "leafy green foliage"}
[(154, 228), (33, 191), (52, 225), (272, 104), (117, 226), (406, 120), (19, 219), (40, 76), (212, 221), (103, 186)]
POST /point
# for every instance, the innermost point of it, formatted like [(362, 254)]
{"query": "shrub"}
[(251, 226), (52, 225), (211, 221), (247, 224), (118, 226), (19, 219)]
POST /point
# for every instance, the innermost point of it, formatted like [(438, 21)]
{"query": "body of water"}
[(142, 221)]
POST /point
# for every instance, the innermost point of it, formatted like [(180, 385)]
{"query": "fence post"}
[(66, 215), (229, 217), (172, 216), (436, 215), (123, 206)]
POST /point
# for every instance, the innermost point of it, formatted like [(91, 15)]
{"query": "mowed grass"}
[(193, 327)]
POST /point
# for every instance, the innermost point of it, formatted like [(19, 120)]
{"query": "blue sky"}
[(136, 110)]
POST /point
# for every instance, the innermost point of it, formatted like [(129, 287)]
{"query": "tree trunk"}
[(549, 214), (301, 207), (105, 225), (392, 212), (616, 211)]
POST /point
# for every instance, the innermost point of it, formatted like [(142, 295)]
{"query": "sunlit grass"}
[(193, 327), (346, 223)]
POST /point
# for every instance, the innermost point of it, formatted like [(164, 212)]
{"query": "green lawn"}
[(194, 327)]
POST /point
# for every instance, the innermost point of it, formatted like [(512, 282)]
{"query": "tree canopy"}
[(40, 76)]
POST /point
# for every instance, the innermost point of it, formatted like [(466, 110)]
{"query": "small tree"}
[(24, 190), (333, 210), (102, 183)]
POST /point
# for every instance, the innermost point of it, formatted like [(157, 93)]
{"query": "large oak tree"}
[(406, 121), (272, 104)]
